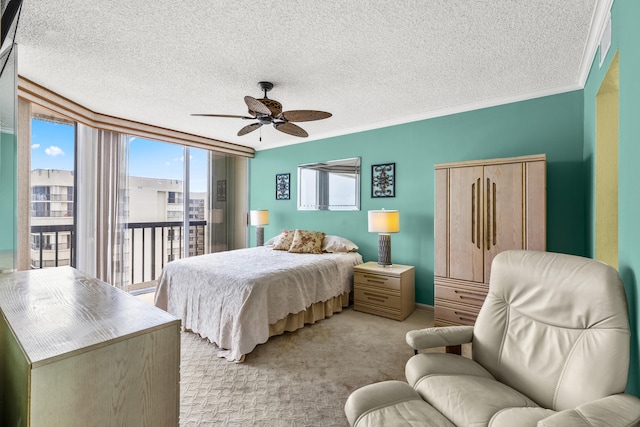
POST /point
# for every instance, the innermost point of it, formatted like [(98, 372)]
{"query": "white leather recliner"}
[(550, 347)]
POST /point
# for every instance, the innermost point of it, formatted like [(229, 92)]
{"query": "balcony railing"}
[(41, 245), (52, 197), (148, 246), (170, 235)]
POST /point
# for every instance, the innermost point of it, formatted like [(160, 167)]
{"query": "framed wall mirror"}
[(329, 186)]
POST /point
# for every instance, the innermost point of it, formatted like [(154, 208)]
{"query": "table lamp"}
[(384, 222), (259, 218)]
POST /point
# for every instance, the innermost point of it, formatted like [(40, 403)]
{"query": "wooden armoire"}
[(482, 208)]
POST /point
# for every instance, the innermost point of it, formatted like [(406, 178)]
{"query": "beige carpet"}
[(301, 378)]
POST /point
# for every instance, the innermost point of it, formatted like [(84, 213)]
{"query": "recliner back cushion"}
[(554, 327)]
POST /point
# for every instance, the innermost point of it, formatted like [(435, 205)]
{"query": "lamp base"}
[(259, 236), (384, 250)]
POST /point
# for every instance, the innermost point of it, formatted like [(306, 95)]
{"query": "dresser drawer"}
[(377, 280), (365, 294), (460, 296), (455, 315), (378, 310)]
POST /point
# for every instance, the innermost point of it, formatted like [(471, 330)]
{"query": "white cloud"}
[(54, 151), (181, 158), (168, 163), (34, 146)]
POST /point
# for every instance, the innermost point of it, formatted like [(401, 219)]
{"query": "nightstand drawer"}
[(378, 310), (371, 296), (377, 280), (455, 315), (460, 296)]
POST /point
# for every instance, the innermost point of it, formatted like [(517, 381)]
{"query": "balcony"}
[(147, 247)]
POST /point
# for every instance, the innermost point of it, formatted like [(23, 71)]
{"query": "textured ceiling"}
[(370, 63)]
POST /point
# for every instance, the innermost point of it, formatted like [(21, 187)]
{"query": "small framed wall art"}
[(383, 180), (221, 190), (282, 186)]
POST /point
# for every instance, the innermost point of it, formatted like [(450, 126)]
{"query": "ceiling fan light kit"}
[(269, 111)]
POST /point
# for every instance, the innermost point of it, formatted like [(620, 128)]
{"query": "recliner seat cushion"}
[(391, 403), (469, 400)]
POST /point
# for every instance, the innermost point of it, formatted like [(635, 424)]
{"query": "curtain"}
[(228, 199), (101, 213)]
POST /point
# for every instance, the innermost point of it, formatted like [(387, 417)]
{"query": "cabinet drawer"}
[(460, 296), (455, 316), (377, 280), (363, 294), (378, 310)]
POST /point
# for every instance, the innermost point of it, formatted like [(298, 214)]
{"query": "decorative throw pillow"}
[(307, 242), (283, 242), (334, 244)]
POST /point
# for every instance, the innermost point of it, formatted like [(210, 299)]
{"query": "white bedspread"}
[(232, 297)]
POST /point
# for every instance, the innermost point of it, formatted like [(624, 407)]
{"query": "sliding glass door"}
[(181, 203)]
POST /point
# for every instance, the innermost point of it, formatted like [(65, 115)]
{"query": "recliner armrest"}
[(439, 337), (618, 410)]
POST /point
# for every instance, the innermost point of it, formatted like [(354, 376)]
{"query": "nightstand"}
[(388, 292)]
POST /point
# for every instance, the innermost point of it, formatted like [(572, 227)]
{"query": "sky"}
[(52, 147)]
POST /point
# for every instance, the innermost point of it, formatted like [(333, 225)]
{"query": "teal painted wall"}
[(8, 178), (8, 162), (551, 125), (625, 36)]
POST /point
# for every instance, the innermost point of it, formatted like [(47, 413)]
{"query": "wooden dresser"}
[(385, 291), (481, 209), (75, 351)]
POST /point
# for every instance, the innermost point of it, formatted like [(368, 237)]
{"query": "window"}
[(52, 189), (174, 198), (37, 241), (40, 193), (69, 201)]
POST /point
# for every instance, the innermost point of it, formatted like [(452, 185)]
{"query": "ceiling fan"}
[(269, 111)]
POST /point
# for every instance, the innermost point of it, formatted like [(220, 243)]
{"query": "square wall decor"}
[(383, 180), (282, 186)]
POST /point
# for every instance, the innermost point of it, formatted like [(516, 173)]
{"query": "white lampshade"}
[(259, 217), (383, 221)]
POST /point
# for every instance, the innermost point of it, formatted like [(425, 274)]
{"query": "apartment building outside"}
[(154, 219)]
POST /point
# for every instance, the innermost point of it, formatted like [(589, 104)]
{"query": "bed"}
[(238, 299)]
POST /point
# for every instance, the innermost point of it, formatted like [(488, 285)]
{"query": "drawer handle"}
[(382, 282), (463, 318), (379, 279), (376, 297), (469, 295)]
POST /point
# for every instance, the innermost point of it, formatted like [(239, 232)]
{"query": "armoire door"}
[(466, 217), (503, 207)]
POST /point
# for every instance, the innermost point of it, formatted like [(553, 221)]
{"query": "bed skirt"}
[(312, 314)]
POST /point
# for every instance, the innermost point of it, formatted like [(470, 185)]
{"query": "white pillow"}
[(333, 244), (272, 241)]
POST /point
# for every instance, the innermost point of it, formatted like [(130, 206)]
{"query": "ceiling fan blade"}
[(274, 106), (248, 128), (305, 115), (225, 115), (256, 106), (291, 129)]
